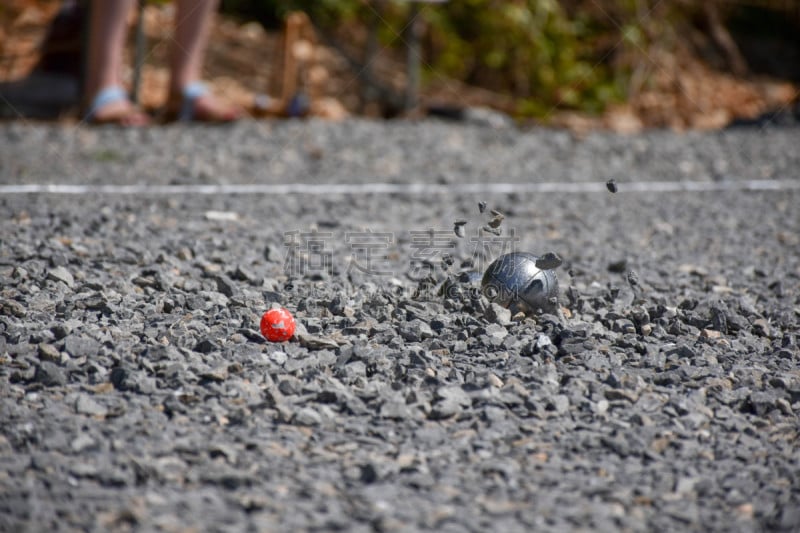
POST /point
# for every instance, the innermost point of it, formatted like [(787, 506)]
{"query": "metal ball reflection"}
[(514, 280)]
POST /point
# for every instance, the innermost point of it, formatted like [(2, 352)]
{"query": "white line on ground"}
[(401, 188)]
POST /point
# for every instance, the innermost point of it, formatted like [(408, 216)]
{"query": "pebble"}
[(86, 405), (761, 327), (498, 314), (416, 330), (316, 342), (81, 443), (549, 261), (49, 375), (206, 346), (496, 332), (226, 286), (395, 409), (61, 274), (601, 407), (496, 220), (219, 373), (81, 346), (451, 400), (559, 403), (458, 228), (13, 308), (48, 352), (279, 358), (621, 394), (494, 381), (307, 416)]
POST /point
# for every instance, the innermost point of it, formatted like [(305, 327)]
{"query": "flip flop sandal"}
[(133, 116), (188, 109)]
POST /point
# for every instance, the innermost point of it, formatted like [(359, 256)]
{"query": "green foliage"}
[(547, 54), (528, 48)]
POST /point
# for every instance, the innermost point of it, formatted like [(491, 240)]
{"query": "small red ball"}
[(277, 325)]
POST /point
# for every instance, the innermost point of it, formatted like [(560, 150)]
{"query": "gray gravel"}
[(136, 393)]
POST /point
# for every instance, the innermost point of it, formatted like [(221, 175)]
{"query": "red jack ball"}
[(277, 325)]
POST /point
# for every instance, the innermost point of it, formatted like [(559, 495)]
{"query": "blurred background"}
[(582, 64)]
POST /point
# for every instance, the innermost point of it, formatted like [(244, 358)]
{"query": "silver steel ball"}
[(514, 280)]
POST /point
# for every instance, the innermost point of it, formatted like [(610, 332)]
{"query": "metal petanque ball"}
[(514, 280)]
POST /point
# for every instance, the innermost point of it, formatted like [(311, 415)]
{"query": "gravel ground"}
[(136, 393)]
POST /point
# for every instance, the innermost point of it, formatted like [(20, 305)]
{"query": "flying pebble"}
[(481, 207), (458, 228), (497, 219), (611, 185), (549, 261), (447, 261)]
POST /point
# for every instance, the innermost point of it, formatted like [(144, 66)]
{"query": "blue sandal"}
[(188, 108), (132, 116)]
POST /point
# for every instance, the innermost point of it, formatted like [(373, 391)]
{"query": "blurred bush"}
[(548, 54), (531, 49)]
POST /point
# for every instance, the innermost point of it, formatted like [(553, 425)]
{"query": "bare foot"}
[(207, 108)]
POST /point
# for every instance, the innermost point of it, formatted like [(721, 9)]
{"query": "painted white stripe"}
[(401, 188)]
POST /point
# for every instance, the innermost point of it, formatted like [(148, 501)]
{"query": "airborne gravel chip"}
[(447, 261), (549, 261), (488, 228), (458, 228), (497, 219)]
